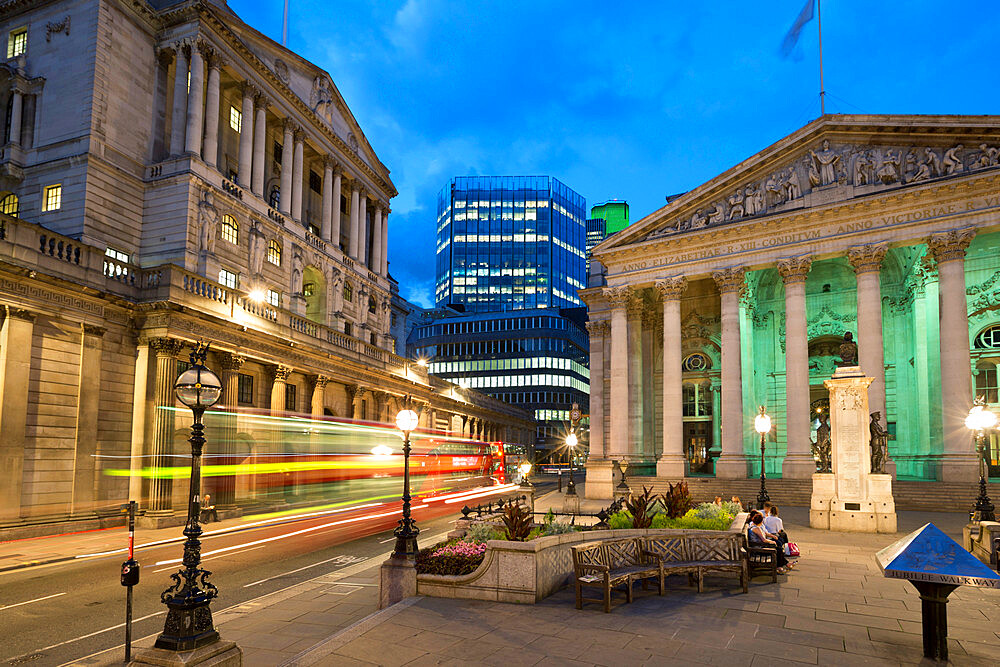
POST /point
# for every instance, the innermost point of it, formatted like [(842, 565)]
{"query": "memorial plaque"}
[(853, 507), (927, 554)]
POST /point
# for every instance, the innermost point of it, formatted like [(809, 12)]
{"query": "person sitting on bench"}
[(208, 509)]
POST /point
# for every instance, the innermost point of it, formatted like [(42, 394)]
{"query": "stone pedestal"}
[(671, 466), (397, 581), (217, 654), (208, 265), (297, 304), (600, 479), (571, 504), (852, 498)]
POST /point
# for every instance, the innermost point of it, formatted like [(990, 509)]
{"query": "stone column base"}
[(397, 581), (798, 466), (217, 654), (671, 465), (571, 504), (600, 479), (731, 466), (958, 468)]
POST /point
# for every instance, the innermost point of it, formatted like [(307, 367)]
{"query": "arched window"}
[(274, 252), (697, 362), (988, 338), (230, 230), (348, 292), (9, 204), (986, 381), (371, 304)]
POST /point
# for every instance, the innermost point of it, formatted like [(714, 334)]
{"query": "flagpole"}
[(822, 91), (284, 29)]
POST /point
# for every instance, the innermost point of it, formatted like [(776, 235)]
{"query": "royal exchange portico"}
[(737, 294)]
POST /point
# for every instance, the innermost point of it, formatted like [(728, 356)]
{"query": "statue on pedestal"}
[(848, 351), (821, 449), (879, 443)]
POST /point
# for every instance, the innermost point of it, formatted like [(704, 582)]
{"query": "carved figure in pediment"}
[(773, 191), (952, 163), (825, 162), (814, 179), (910, 165), (717, 215), (208, 222), (888, 168), (988, 157), (749, 203), (736, 205), (257, 243), (791, 185), (929, 167), (698, 220), (861, 170), (321, 99), (281, 69)]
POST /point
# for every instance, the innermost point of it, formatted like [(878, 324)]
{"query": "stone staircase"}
[(909, 494)]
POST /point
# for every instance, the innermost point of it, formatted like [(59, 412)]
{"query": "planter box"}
[(528, 572)]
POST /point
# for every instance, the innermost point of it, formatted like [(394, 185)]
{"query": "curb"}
[(314, 654), (36, 563)]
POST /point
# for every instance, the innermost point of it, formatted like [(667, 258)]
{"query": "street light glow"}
[(762, 422), (571, 440), (257, 296), (980, 419)]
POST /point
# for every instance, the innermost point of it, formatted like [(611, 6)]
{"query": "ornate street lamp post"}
[(406, 532), (525, 470), (980, 420), (189, 616), (571, 442), (762, 424)]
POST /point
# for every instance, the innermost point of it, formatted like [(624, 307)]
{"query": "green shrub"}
[(731, 508), (709, 511), (620, 520), (483, 532), (553, 527), (660, 520)]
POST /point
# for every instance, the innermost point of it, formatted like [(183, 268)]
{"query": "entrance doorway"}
[(697, 442)]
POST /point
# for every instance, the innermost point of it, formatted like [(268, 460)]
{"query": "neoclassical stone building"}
[(169, 175), (737, 294)]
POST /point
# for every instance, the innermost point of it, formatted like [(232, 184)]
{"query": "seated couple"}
[(760, 534)]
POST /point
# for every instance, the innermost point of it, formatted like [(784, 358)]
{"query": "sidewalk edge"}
[(315, 653)]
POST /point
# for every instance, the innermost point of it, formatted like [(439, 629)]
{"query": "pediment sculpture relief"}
[(321, 99), (846, 171)]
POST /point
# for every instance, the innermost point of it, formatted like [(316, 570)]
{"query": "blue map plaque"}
[(927, 554)]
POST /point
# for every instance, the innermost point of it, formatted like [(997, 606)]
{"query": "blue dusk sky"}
[(620, 100)]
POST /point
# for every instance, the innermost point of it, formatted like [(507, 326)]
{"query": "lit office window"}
[(230, 229), (229, 279), (52, 198), (273, 298), (10, 205), (235, 118), (274, 252), (116, 254), (17, 42), (348, 292)]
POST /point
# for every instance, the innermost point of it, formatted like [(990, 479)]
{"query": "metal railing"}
[(602, 516)]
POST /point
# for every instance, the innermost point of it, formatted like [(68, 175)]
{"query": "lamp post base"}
[(397, 581), (218, 654), (188, 627)]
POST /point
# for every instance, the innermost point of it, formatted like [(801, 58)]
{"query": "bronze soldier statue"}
[(879, 443), (822, 447)]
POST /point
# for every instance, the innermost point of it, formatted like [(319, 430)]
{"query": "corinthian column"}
[(327, 211), (671, 462), (353, 242), (376, 254), (732, 463), (618, 440), (244, 172), (363, 228), (867, 263), (958, 461), (384, 270), (161, 486), (278, 389), (178, 115), (259, 134), (636, 400), (798, 462), (319, 391), (597, 329), (195, 102), (230, 364), (16, 332), (335, 206), (297, 177), (287, 157), (210, 152)]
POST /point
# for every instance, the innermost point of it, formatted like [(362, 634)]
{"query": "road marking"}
[(171, 567), (30, 601), (341, 560), (76, 639), (388, 540)]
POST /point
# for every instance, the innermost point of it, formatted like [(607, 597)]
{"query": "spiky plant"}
[(640, 507), (517, 521), (677, 500)]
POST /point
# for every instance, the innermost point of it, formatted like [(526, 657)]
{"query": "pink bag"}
[(791, 549)]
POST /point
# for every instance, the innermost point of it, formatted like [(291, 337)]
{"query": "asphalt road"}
[(55, 613)]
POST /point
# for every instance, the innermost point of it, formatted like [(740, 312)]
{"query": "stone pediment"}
[(831, 160)]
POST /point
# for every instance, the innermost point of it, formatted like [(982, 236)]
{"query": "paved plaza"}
[(835, 608)]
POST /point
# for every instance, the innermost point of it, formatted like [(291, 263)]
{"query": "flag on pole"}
[(792, 38)]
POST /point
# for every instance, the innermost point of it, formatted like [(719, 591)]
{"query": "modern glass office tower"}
[(596, 232), (509, 243), (614, 213), (536, 359)]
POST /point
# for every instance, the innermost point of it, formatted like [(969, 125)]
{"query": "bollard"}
[(129, 578)]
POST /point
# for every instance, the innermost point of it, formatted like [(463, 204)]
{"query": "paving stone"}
[(552, 661), (857, 619), (693, 653), (429, 640), (789, 636), (340, 660), (828, 657), (509, 656), (557, 646), (889, 612), (773, 649), (774, 620), (655, 644), (381, 652)]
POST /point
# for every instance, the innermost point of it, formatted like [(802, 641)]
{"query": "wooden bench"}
[(762, 559), (612, 563), (694, 555)]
